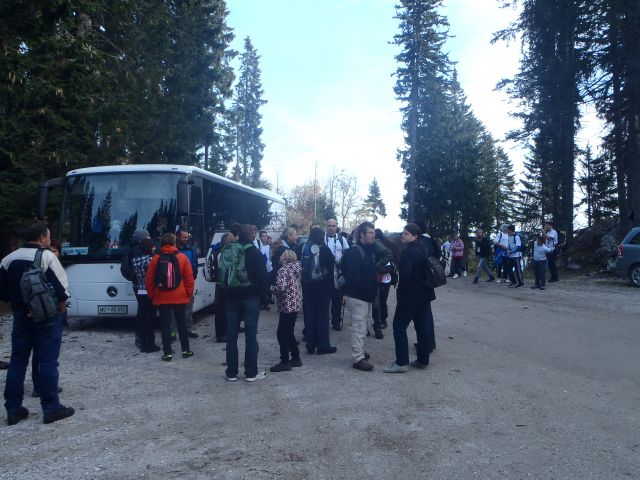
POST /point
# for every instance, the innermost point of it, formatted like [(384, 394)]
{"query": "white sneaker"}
[(498, 280), (259, 376), (456, 276), (395, 368), (230, 379), (464, 274)]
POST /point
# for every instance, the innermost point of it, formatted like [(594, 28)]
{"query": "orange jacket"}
[(180, 295)]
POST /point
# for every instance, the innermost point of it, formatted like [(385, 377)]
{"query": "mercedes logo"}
[(112, 291)]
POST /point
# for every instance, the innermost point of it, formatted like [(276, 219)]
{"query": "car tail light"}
[(620, 249)]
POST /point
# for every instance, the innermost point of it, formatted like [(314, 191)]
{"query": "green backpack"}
[(232, 270)]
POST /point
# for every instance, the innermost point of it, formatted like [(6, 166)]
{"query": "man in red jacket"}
[(171, 298)]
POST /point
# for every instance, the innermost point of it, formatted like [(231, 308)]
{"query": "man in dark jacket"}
[(243, 303), (359, 269), (483, 251), (43, 337), (182, 242)]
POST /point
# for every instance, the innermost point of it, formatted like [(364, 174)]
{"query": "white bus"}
[(103, 206)]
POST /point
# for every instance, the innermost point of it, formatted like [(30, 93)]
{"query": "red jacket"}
[(180, 295)]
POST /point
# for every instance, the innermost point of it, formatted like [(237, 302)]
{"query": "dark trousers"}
[(316, 318), (379, 310), (515, 271), (540, 272), (167, 313), (553, 268), (220, 321), (286, 337), (457, 265), (422, 318), (145, 319), (45, 342), (336, 307), (247, 309)]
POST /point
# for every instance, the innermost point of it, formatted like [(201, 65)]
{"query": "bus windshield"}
[(101, 211)]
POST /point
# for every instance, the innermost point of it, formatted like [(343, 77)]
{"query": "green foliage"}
[(597, 182), (374, 201), (95, 82)]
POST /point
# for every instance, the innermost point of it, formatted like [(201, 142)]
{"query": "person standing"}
[(182, 242), (338, 246), (243, 303), (386, 261), (552, 243), (483, 251), (359, 269), (289, 240), (220, 320), (140, 260), (501, 247), (171, 300), (413, 304), (43, 337), (457, 253), (317, 285), (540, 253), (288, 292), (513, 259)]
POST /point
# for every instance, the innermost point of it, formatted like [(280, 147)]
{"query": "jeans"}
[(286, 337), (315, 304), (422, 318), (167, 314), (45, 341), (484, 266), (540, 271), (249, 310), (360, 313)]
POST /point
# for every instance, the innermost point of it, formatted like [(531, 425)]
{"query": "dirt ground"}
[(524, 384)]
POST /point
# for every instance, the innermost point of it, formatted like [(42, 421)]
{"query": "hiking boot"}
[(395, 368), (187, 354), (259, 376), (327, 351), (417, 364), (192, 334), (296, 362), (20, 415), (167, 357), (60, 414), (281, 367), (363, 365), (475, 280)]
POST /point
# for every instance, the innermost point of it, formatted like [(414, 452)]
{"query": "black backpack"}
[(36, 292), (168, 275), (311, 269), (126, 267)]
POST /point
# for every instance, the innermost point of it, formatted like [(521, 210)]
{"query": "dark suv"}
[(628, 263)]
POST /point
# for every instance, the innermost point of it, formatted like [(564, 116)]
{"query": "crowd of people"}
[(318, 278)]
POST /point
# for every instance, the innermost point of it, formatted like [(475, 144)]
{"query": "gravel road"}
[(524, 384)]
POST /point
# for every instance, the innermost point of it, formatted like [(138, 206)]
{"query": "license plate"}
[(112, 309)]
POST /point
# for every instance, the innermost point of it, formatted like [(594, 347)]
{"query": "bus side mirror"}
[(184, 195), (43, 192)]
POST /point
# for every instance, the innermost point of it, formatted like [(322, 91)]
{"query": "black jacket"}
[(411, 272), (257, 272), (360, 272), (483, 248)]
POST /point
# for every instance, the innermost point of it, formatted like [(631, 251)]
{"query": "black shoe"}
[(417, 364), (60, 414), (221, 340), (363, 365), (18, 416), (327, 351), (281, 367), (378, 334), (191, 334), (311, 351), (336, 326), (152, 349), (475, 280), (296, 362)]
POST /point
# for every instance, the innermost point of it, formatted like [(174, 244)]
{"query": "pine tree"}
[(596, 180), (374, 200), (246, 109)]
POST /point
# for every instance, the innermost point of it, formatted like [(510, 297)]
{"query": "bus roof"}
[(186, 169)]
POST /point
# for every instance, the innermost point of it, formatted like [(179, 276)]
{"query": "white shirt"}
[(540, 252), (502, 239), (337, 244), (514, 242), (553, 241)]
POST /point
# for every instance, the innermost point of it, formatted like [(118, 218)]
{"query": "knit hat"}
[(140, 234)]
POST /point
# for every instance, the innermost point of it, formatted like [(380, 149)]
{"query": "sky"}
[(327, 77)]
